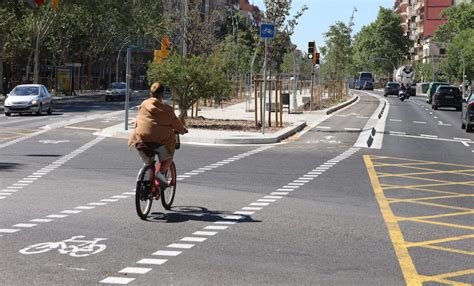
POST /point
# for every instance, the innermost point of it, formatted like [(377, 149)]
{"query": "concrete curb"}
[(342, 105)]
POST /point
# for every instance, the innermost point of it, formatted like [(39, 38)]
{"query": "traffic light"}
[(39, 2), (316, 58), (311, 49)]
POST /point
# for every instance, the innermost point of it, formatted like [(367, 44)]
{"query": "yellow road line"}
[(406, 263), (429, 162), (457, 172), (448, 275), (446, 281), (424, 190), (431, 180), (460, 226), (436, 216), (470, 183), (449, 249), (439, 205), (441, 240), (429, 198)]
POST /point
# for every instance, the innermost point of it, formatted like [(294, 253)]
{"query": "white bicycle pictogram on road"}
[(74, 246)]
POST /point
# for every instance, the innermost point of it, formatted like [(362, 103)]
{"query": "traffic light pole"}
[(127, 93), (312, 88)]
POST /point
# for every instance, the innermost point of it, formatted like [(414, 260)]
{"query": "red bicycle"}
[(149, 187)]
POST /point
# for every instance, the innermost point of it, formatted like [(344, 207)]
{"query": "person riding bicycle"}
[(156, 123)]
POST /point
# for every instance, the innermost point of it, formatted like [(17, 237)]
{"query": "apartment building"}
[(420, 19)]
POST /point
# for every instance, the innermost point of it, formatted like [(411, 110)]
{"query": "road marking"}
[(152, 261), (323, 127), (8, 230), (237, 216), (56, 216), (116, 280), (41, 220), (351, 129), (430, 136), (135, 270), (419, 122), (406, 263), (82, 128), (27, 225), (167, 253)]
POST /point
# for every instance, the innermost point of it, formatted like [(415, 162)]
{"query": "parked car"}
[(447, 96), (467, 113), (117, 90), (391, 88), (422, 88), (29, 98), (432, 88)]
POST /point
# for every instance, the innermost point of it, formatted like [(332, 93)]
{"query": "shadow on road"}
[(8, 167), (193, 213)]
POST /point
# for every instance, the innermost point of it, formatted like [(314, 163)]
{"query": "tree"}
[(381, 46), (338, 49), (190, 78), (459, 18)]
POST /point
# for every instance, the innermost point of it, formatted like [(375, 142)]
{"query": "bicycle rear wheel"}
[(167, 195), (143, 196)]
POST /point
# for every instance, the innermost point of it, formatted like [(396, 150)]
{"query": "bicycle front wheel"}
[(143, 196), (167, 195)]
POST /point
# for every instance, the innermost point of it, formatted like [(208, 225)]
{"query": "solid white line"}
[(167, 253), (351, 129), (135, 270), (117, 280), (152, 261), (181, 245), (396, 132), (462, 139), (193, 239), (25, 225), (465, 143), (209, 233), (323, 127), (430, 136), (81, 128)]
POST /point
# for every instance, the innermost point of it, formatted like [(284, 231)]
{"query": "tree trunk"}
[(36, 61), (183, 113)]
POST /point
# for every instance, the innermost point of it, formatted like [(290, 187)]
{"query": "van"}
[(364, 81)]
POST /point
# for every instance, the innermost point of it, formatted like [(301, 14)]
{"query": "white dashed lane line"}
[(220, 225), (114, 198)]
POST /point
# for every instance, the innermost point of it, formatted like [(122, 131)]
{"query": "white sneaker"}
[(162, 179)]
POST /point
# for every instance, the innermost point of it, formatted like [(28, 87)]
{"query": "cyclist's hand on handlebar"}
[(185, 131)]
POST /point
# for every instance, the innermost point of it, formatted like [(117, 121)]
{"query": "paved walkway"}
[(297, 121)]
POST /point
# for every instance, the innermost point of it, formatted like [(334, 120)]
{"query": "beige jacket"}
[(157, 123)]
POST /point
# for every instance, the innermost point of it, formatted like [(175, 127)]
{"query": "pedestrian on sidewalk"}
[(156, 123)]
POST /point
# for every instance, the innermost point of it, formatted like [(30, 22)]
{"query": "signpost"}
[(267, 31)]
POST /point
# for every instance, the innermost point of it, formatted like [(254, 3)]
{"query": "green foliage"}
[(337, 51), (460, 18), (191, 78), (423, 72), (235, 55), (460, 53), (381, 46)]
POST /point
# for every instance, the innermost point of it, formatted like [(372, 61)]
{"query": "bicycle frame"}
[(153, 167)]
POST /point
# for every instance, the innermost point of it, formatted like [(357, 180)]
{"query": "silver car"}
[(117, 90), (29, 98)]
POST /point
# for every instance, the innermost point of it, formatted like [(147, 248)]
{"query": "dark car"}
[(447, 96), (467, 113), (432, 88), (391, 88)]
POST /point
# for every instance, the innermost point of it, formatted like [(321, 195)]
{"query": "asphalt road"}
[(312, 211)]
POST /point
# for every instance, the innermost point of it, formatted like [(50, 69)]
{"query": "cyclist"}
[(156, 123)]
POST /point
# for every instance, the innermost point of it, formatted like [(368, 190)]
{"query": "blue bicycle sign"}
[(267, 31)]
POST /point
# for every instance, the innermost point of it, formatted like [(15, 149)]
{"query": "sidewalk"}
[(297, 122)]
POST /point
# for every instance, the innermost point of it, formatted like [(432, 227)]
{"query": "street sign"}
[(267, 31)]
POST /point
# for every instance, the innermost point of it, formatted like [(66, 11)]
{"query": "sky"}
[(323, 13)]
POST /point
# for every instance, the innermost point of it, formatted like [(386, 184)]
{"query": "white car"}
[(29, 98), (117, 90)]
